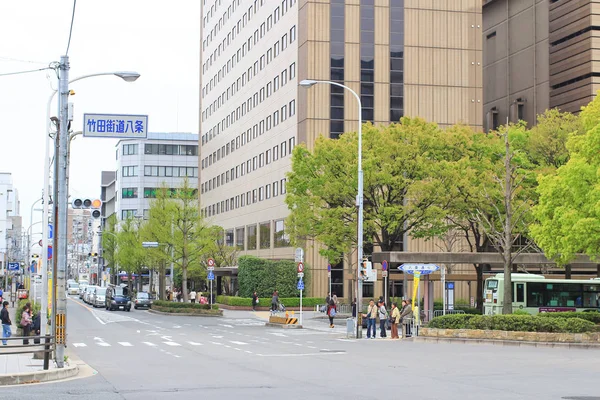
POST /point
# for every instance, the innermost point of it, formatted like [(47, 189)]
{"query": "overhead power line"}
[(24, 72), (71, 29)]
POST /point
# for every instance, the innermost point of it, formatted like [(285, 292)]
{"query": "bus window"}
[(492, 284), (591, 296), (520, 293)]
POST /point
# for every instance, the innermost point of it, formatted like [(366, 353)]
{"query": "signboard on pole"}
[(384, 274), (300, 267), (50, 232), (384, 265), (211, 264), (422, 269), (115, 126), (329, 268), (210, 276), (300, 284), (13, 266), (299, 255), (150, 245)]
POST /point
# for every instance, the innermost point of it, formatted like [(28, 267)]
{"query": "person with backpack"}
[(331, 311), (383, 317)]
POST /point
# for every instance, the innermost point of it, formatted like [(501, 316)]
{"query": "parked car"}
[(89, 292), (73, 288), (82, 288), (117, 298), (98, 298), (143, 300)]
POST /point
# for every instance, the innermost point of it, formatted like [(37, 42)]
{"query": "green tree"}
[(567, 214), (401, 186), (159, 228), (131, 256), (109, 245)]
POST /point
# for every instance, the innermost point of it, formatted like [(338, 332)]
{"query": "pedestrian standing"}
[(383, 317), (274, 301), (335, 299), (193, 296), (179, 293), (354, 308), (395, 320), (1, 294), (331, 311), (6, 322), (406, 315), (327, 298), (254, 300), (26, 322), (36, 327), (371, 317)]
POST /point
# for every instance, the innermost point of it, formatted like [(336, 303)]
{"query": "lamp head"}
[(128, 76), (306, 83)]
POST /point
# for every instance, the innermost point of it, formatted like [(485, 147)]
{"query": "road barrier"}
[(47, 347), (283, 320)]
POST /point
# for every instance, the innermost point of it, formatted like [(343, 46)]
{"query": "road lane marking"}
[(226, 326), (238, 343), (329, 353), (89, 309), (248, 351), (79, 345), (195, 344), (125, 344), (171, 344), (149, 344), (217, 343), (217, 336), (103, 344)]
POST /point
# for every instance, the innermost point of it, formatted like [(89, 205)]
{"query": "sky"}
[(158, 39)]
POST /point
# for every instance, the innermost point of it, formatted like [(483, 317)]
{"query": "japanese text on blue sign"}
[(115, 126)]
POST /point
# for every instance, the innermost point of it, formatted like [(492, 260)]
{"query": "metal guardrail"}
[(47, 347), (341, 308), (438, 313)]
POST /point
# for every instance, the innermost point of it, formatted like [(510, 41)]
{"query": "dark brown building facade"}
[(538, 54)]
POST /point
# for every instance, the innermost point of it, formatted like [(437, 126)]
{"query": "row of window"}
[(247, 44), (282, 114), (260, 63), (246, 199), (247, 167), (168, 171), (253, 101), (243, 242), (336, 70), (149, 193), (271, 121), (171, 149)]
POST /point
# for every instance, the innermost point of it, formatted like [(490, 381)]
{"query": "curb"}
[(283, 326), (39, 376), (514, 343), (184, 314)]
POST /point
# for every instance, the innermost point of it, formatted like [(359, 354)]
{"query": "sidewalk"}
[(23, 368)]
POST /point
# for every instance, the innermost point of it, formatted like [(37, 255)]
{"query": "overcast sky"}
[(158, 39)]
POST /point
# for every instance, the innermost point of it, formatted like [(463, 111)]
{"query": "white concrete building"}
[(144, 165), (10, 239)]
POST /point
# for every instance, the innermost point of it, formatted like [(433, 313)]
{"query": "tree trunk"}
[(140, 282), (479, 296), (184, 288), (161, 280), (129, 285), (506, 248)]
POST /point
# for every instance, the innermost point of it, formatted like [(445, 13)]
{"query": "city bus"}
[(536, 294)]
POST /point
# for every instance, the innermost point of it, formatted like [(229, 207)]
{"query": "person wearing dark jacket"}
[(6, 322), (36, 327), (254, 300), (331, 311)]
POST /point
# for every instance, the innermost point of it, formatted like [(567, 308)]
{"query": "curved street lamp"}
[(127, 76)]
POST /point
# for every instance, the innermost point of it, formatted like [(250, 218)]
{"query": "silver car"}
[(89, 291), (98, 297)]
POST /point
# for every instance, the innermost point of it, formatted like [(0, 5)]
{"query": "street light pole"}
[(307, 83)]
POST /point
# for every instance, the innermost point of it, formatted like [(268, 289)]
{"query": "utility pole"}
[(62, 217)]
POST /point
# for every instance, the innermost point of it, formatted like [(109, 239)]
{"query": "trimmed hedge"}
[(592, 316), (517, 323), (174, 304), (266, 301), (179, 310), (266, 276)]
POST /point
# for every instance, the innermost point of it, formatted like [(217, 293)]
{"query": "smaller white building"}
[(10, 236), (144, 165)]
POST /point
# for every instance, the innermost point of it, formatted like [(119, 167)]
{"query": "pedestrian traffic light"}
[(363, 269), (86, 203)]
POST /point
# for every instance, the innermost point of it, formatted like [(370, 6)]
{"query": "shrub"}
[(512, 322), (173, 304), (266, 301), (266, 276), (180, 310), (592, 316), (520, 312)]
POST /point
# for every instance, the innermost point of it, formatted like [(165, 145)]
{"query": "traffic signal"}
[(35, 256), (92, 254), (363, 269), (86, 203)]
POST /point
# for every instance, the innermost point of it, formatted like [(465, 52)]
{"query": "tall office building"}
[(403, 57), (538, 54)]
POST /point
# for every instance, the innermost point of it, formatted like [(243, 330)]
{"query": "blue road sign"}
[(328, 267), (384, 265), (422, 269), (50, 231), (49, 252), (300, 284), (210, 276), (13, 266)]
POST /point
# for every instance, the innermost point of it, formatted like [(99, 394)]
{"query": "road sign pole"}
[(211, 297)]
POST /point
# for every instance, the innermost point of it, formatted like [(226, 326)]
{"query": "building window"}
[(128, 214), (129, 193), (130, 149), (251, 241), (130, 171), (268, 191), (239, 236), (283, 186), (265, 235), (275, 188), (261, 193), (280, 238), (150, 193), (229, 238)]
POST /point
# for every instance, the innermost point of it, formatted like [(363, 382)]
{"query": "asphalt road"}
[(139, 355)]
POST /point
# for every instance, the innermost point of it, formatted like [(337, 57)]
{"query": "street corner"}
[(42, 376)]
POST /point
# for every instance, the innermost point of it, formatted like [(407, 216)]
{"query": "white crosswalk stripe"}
[(195, 344), (149, 344), (103, 344), (172, 344), (125, 344), (236, 342), (79, 344)]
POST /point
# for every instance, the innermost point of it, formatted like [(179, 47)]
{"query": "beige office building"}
[(538, 54), (403, 57)]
